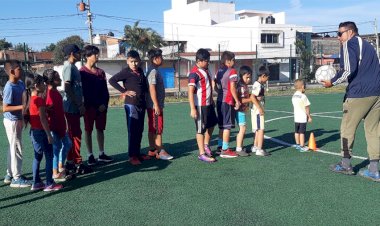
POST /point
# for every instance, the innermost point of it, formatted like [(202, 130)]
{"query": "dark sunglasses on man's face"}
[(340, 33)]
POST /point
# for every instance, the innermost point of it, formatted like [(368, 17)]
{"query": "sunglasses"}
[(341, 33)]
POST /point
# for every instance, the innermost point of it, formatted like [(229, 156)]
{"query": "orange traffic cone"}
[(312, 143)]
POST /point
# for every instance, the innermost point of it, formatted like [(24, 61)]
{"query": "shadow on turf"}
[(102, 172), (361, 165), (335, 135)]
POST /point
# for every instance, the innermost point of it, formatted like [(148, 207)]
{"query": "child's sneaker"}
[(253, 149), (91, 160), (303, 149), (218, 150), (70, 168), (339, 168), (205, 158), (37, 186), (61, 177), (153, 153), (297, 146), (143, 157), (134, 161), (228, 154), (20, 183), (369, 175), (83, 169), (243, 153), (164, 155), (105, 158), (7, 179), (208, 151), (262, 152), (53, 187)]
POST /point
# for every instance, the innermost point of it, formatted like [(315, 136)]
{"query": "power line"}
[(37, 17)]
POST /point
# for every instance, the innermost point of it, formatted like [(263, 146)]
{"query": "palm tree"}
[(142, 39)]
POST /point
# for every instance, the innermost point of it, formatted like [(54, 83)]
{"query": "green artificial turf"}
[(288, 188)]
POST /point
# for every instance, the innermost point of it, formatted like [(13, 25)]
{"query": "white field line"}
[(292, 145)]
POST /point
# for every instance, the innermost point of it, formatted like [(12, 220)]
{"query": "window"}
[(269, 38)]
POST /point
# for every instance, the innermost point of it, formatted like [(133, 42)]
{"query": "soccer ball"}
[(325, 72)]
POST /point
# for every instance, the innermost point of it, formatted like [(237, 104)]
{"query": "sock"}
[(346, 162), (373, 166), (225, 145), (239, 149), (220, 142), (101, 152)]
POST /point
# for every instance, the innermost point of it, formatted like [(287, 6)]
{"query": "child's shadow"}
[(102, 173)]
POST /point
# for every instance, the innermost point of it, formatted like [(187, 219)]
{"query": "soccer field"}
[(287, 188)]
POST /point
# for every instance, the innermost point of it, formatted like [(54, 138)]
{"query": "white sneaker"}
[(261, 152), (253, 149), (164, 155)]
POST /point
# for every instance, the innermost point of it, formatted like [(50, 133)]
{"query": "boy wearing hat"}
[(73, 107)]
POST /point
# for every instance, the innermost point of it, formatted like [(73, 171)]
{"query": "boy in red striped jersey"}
[(201, 104)]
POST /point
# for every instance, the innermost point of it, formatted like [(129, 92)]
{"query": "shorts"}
[(155, 122), (241, 118), (226, 115), (300, 127), (206, 118), (257, 121), (91, 116)]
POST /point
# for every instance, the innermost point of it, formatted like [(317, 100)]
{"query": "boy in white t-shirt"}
[(302, 115), (257, 111)]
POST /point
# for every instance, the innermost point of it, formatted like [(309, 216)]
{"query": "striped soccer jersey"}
[(201, 80)]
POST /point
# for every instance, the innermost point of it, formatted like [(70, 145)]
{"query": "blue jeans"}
[(61, 146), (41, 146), (135, 122)]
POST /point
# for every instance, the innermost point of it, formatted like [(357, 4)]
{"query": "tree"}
[(142, 39), (58, 50), (4, 44), (49, 48), (20, 47), (305, 55)]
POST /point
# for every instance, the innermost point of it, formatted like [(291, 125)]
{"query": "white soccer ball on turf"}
[(325, 72)]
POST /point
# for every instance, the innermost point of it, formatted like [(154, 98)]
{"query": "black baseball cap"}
[(71, 48)]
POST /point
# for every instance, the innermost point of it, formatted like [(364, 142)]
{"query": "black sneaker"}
[(91, 160), (70, 168), (83, 169), (105, 158)]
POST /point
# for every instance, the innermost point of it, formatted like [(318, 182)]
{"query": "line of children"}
[(302, 115), (34, 111)]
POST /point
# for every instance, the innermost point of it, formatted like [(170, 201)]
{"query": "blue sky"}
[(54, 20)]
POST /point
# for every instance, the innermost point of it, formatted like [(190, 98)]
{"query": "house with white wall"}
[(217, 26)]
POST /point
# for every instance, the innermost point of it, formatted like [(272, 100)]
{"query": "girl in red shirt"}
[(35, 115), (57, 125)]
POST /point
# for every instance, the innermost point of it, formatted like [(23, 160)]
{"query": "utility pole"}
[(377, 39), (82, 7)]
